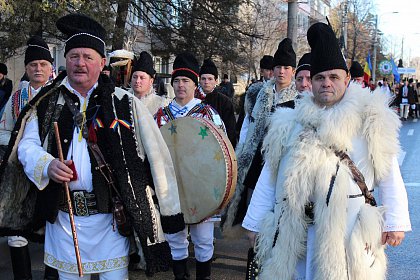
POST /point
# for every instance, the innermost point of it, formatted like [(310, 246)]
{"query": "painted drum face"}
[(205, 166)]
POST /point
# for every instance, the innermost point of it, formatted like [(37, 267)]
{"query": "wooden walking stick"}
[(67, 190)]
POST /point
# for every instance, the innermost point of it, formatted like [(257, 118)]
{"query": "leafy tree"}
[(268, 19), (207, 28), (215, 29), (21, 19), (360, 27)]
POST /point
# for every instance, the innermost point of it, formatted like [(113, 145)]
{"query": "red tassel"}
[(73, 168), (92, 134)]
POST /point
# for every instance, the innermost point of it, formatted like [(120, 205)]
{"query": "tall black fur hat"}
[(209, 67), (145, 64), (285, 55), (186, 64), (325, 50), (356, 70), (304, 63), (82, 32), (3, 68), (37, 50), (266, 62)]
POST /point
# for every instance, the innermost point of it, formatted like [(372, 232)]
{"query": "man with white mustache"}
[(38, 69), (107, 136)]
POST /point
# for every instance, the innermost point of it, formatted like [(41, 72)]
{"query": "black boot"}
[(21, 263), (203, 270), (50, 273), (181, 270)]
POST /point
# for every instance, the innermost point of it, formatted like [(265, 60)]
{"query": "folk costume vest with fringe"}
[(133, 173), (300, 150), (248, 153), (12, 109)]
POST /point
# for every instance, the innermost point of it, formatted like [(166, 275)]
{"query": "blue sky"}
[(405, 24)]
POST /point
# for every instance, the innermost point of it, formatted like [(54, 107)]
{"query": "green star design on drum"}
[(172, 129), (217, 193), (203, 132)]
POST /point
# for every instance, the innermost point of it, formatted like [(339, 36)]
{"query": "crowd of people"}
[(312, 143), (404, 96)]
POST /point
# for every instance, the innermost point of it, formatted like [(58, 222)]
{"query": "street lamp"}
[(375, 43)]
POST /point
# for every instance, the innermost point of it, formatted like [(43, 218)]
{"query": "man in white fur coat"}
[(343, 237)]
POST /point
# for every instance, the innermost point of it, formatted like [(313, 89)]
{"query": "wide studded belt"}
[(83, 202)]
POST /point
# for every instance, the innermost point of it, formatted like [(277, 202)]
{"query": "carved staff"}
[(67, 190), (128, 74)]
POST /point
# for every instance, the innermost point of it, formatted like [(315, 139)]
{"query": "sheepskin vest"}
[(249, 153), (304, 140), (251, 96)]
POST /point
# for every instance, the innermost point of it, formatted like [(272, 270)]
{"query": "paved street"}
[(404, 260), (231, 254), (229, 263)]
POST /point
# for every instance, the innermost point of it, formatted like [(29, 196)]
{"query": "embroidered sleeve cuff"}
[(250, 226), (172, 224), (41, 179), (397, 228)]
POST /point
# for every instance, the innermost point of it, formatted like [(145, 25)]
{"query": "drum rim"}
[(227, 154), (229, 160)]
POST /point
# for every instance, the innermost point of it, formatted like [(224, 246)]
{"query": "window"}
[(166, 13), (136, 13)]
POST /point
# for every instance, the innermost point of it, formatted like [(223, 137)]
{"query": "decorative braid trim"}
[(39, 167), (37, 46), (184, 69), (87, 34), (88, 267)]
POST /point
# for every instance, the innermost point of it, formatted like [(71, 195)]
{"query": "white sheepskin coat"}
[(299, 149)]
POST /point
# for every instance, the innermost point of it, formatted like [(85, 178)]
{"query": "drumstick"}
[(67, 190)]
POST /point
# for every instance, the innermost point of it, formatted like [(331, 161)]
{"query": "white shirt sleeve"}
[(6, 123), (262, 201), (34, 158), (244, 129), (393, 196)]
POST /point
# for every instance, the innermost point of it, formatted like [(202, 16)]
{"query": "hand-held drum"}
[(205, 166)]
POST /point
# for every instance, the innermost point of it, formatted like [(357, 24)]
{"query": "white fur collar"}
[(360, 111)]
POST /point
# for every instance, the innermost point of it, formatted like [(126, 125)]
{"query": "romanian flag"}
[(116, 122), (367, 70)]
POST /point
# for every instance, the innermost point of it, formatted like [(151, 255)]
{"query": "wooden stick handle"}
[(127, 77), (67, 191)]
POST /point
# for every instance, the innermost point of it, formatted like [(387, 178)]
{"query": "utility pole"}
[(402, 49), (292, 22), (374, 49), (409, 57), (345, 21)]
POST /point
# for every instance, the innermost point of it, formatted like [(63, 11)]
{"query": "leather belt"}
[(83, 202)]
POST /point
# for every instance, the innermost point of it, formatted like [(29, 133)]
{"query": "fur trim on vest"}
[(245, 152), (251, 97), (306, 139), (139, 182)]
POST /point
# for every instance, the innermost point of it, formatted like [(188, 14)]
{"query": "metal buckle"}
[(80, 204)]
